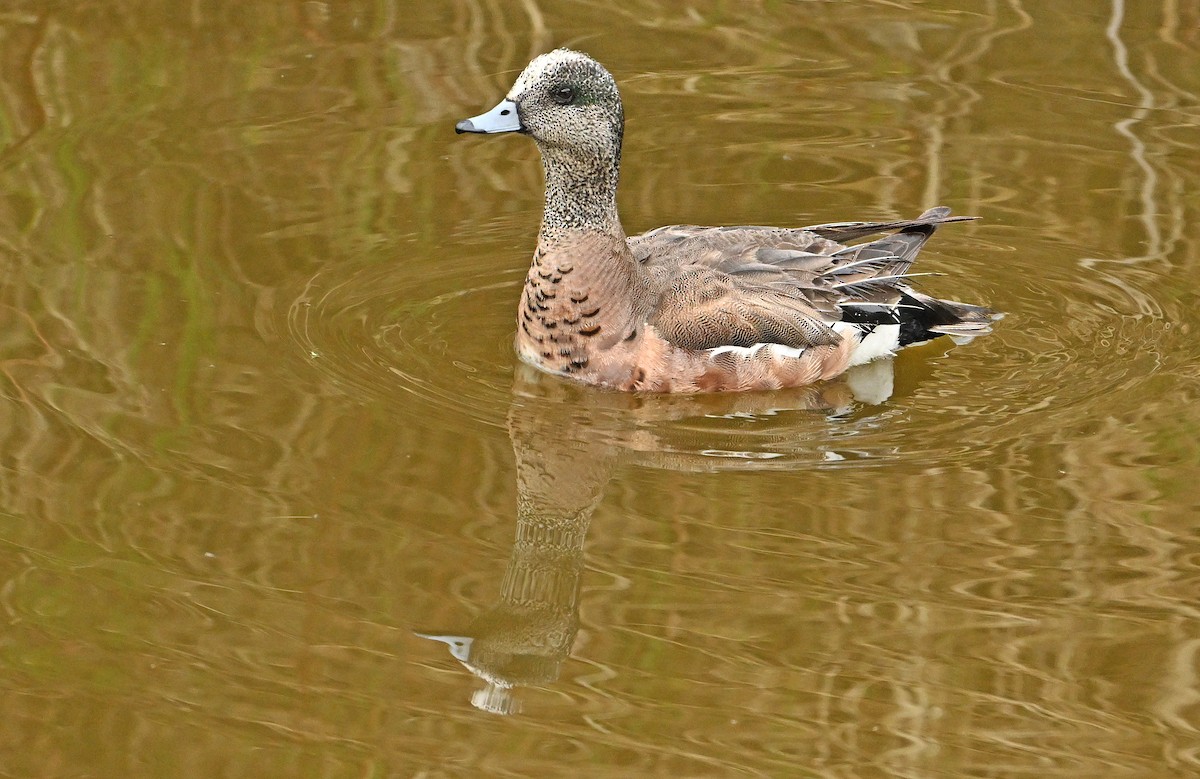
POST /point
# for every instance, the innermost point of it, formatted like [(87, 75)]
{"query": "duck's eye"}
[(563, 95)]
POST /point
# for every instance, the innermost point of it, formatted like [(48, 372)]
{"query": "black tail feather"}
[(923, 318)]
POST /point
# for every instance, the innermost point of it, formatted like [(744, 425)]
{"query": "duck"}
[(691, 308)]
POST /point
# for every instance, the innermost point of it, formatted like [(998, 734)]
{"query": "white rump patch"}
[(882, 341)]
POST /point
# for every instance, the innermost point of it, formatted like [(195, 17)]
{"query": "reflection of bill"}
[(527, 634), (567, 441)]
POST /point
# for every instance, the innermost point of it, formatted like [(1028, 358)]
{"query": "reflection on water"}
[(568, 442), (259, 421)]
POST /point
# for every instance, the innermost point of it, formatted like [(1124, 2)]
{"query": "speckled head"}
[(567, 102)]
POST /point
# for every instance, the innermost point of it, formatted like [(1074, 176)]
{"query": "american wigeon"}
[(687, 308)]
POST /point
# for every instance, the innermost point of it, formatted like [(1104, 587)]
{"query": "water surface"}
[(262, 432)]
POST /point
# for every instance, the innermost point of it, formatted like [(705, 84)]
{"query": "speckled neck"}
[(581, 194)]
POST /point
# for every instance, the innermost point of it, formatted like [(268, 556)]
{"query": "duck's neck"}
[(582, 249), (581, 194), (583, 293)]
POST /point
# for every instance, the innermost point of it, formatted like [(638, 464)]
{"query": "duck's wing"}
[(703, 308), (779, 296), (739, 286)]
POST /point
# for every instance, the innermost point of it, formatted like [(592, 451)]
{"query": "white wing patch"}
[(789, 352), (871, 342), (778, 350)]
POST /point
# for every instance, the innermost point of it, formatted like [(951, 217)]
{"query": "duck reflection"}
[(568, 440)]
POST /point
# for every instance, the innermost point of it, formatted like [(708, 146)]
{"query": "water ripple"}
[(386, 332), (383, 331)]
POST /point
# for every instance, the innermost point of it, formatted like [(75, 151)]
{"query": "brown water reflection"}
[(569, 442), (260, 420)]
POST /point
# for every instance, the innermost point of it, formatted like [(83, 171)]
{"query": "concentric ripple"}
[(384, 332), (389, 331)]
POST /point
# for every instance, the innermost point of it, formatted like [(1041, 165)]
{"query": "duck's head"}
[(566, 101)]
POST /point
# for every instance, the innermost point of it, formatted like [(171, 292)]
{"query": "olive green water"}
[(263, 435)]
